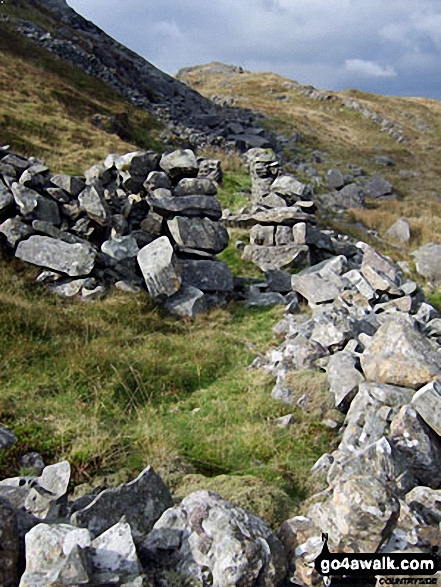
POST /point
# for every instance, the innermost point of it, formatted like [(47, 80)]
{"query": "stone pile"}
[(130, 536), (136, 220), (379, 342)]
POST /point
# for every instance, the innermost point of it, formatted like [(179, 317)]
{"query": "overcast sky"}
[(382, 46)]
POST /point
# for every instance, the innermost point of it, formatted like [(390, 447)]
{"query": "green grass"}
[(234, 193), (116, 384)]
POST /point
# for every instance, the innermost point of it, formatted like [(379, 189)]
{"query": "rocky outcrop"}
[(137, 220)]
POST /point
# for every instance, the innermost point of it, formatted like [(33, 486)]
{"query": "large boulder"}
[(73, 259), (214, 542), (160, 268), (427, 402), (399, 354)]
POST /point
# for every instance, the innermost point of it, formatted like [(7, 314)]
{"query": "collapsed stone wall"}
[(137, 220)]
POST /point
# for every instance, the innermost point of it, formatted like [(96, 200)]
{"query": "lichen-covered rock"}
[(268, 258), (188, 302), (209, 539), (179, 164)]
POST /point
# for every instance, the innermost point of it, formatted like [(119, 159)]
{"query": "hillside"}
[(397, 138), (300, 386)]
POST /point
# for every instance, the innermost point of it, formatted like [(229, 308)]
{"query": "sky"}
[(388, 47)]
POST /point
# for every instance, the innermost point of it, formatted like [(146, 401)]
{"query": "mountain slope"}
[(348, 127)]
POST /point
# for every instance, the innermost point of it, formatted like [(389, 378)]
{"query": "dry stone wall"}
[(139, 220)]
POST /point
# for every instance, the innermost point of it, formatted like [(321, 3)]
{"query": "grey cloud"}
[(381, 44)]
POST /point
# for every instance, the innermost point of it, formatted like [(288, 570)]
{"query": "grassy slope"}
[(347, 137), (47, 109)]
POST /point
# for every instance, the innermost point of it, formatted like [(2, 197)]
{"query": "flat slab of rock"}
[(199, 233), (208, 276), (287, 216), (343, 378), (142, 502), (93, 203), (195, 186), (314, 288), (399, 354), (193, 205), (121, 247), (160, 268), (268, 258), (73, 259)]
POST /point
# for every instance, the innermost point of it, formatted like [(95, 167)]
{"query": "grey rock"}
[(59, 195), (93, 203), (278, 281), (138, 163), (122, 247), (380, 282), (399, 231), (15, 230), (115, 551), (6, 198), (288, 187), (381, 265), (7, 438), (287, 216), (399, 354), (32, 204), (378, 187), (152, 224), (142, 502), (343, 378), (360, 514), (211, 169), (350, 196), (426, 313), (314, 288), (285, 421), (36, 176), (73, 259), (333, 327), (264, 168), (155, 180), (284, 235), (195, 187), (188, 302), (73, 185), (75, 569), (426, 502), (427, 261), (10, 546), (268, 258), (47, 547), (206, 536), (167, 205), (179, 164), (417, 445), (198, 233), (262, 235), (68, 289), (258, 298), (160, 268), (273, 201), (427, 402), (302, 353), (94, 293), (358, 281), (335, 179), (208, 276)]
